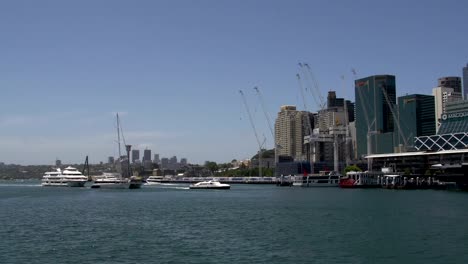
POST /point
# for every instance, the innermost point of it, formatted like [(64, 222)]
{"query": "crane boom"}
[(267, 116), (397, 121), (301, 88), (312, 89), (255, 132), (250, 118), (316, 86)]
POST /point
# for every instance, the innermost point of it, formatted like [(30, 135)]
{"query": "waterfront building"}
[(291, 126), (156, 159), (442, 96), (147, 154), (455, 118), (373, 113), (110, 160), (451, 82), (453, 131), (416, 117), (465, 81), (135, 155)]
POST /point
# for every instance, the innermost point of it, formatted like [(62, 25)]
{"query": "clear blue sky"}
[(174, 68)]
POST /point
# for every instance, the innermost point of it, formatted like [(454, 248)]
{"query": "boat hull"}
[(49, 184), (76, 183), (111, 185), (206, 187)]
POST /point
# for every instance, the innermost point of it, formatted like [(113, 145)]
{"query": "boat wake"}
[(19, 185)]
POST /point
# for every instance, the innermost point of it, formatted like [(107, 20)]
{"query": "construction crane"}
[(369, 124), (255, 132), (315, 90), (267, 116), (308, 124), (270, 126), (395, 116), (347, 136)]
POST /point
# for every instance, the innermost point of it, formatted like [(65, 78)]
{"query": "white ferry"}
[(324, 179), (359, 179), (70, 177)]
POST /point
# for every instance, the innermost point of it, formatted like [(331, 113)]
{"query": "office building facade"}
[(443, 96), (373, 113), (416, 117), (135, 155), (147, 155), (465, 82)]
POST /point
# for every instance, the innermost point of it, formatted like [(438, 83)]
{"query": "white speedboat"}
[(70, 177), (154, 180), (209, 185)]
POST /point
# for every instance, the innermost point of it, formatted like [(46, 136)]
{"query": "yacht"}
[(69, 177), (209, 185), (154, 180), (330, 179), (110, 181)]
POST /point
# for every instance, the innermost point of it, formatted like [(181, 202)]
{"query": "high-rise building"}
[(135, 155), (416, 117), (183, 161), (110, 160), (164, 163), (58, 163), (451, 82), (465, 81), (156, 159), (290, 128), (373, 113), (351, 110), (147, 154), (442, 96)]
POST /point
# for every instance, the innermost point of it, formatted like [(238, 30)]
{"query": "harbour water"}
[(247, 224)]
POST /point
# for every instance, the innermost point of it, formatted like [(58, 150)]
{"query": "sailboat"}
[(115, 180)]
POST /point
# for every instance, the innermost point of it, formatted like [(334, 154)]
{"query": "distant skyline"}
[(173, 69)]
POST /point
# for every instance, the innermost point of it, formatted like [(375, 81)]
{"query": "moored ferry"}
[(360, 179), (324, 179)]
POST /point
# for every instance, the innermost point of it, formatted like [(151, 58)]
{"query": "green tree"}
[(211, 165), (352, 168)]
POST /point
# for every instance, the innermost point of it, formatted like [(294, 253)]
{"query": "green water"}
[(247, 224)]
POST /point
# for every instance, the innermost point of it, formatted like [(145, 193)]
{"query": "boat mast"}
[(118, 134)]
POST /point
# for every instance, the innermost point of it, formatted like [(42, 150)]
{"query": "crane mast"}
[(369, 125), (395, 116), (309, 125), (267, 116), (255, 132)]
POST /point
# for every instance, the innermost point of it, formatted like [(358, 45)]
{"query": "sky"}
[(173, 69)]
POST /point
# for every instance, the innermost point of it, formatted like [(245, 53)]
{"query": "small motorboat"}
[(209, 185)]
